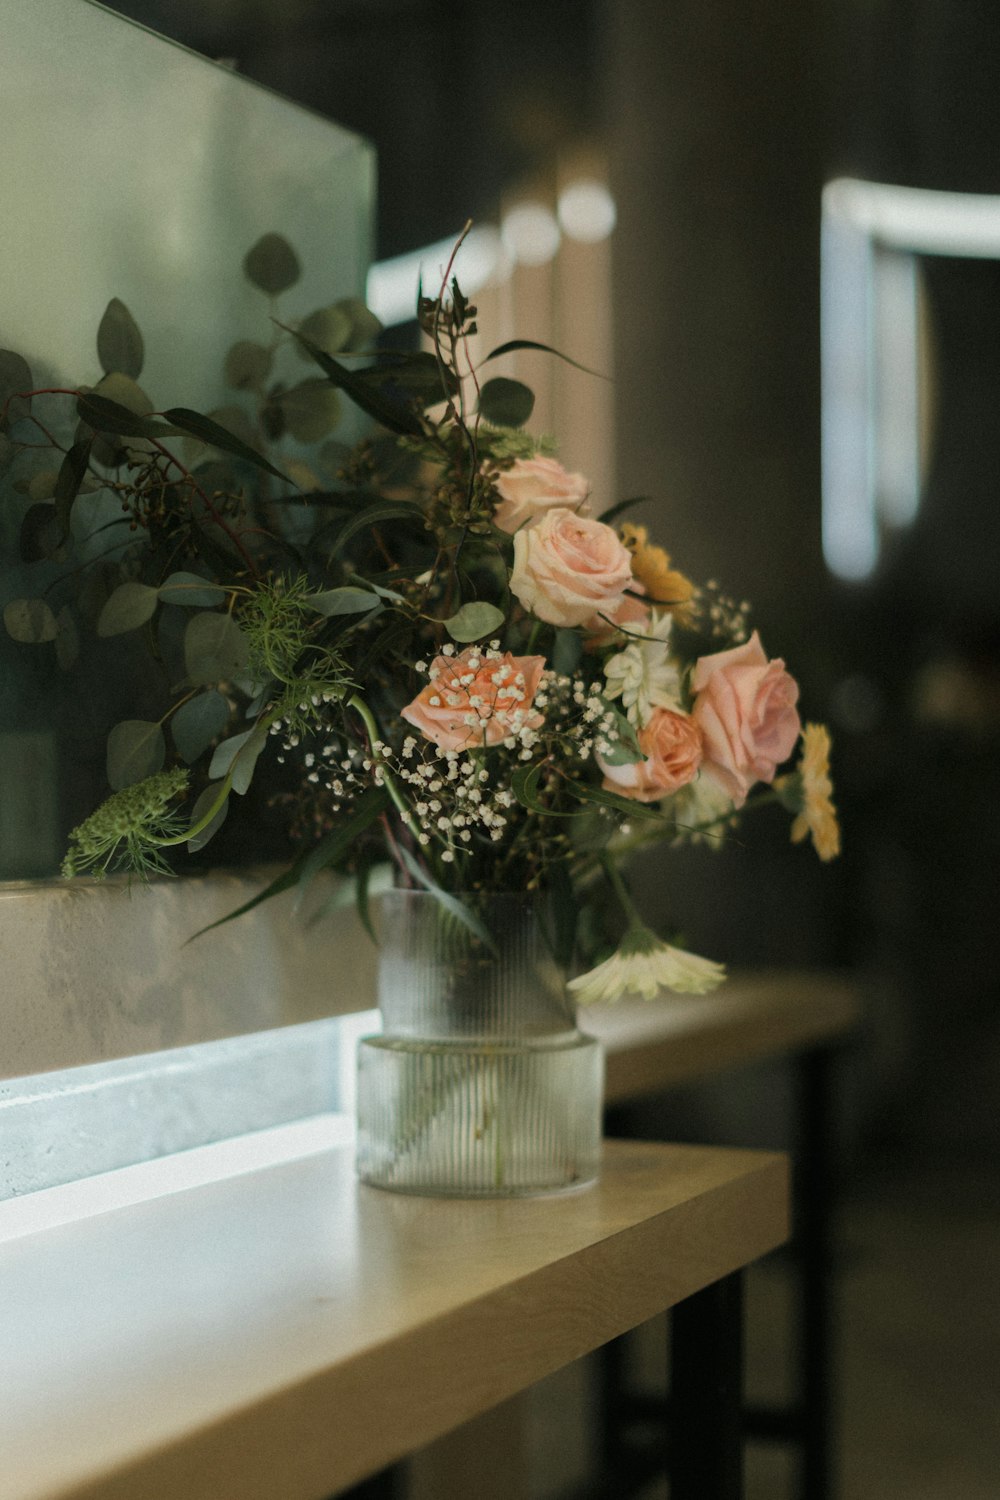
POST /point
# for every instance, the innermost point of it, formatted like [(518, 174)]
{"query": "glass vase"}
[(480, 1084)]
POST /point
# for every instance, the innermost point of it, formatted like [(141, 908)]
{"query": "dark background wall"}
[(722, 122)]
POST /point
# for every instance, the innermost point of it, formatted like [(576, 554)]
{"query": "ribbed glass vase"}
[(480, 1084)]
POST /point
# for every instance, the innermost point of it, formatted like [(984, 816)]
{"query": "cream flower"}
[(643, 966), (643, 676)]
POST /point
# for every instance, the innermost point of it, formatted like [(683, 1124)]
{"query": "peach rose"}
[(745, 709), (532, 486), (671, 743), (568, 568), (472, 700)]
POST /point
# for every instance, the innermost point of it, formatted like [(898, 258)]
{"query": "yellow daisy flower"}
[(651, 566), (817, 816)]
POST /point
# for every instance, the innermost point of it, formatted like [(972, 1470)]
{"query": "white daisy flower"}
[(643, 676), (643, 965)]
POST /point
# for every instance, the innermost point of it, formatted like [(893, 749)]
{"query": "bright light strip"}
[(586, 211), (109, 1191), (392, 284), (921, 220)]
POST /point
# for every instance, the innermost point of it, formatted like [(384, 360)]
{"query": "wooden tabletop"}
[(281, 1334), (650, 1045)]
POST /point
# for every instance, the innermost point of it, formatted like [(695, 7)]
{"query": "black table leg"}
[(813, 1242), (706, 1392)]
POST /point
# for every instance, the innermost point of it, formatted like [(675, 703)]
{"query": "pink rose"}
[(745, 709), (532, 486), (671, 743), (568, 568), (472, 700)]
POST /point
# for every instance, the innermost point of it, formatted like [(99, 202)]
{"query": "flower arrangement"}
[(463, 668)]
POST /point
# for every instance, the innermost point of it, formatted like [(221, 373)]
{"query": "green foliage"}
[(127, 831), (119, 342), (30, 621), (136, 749), (505, 402), (272, 265), (475, 621)]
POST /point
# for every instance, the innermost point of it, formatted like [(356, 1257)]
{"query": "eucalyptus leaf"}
[(505, 402), (30, 621), (130, 606), (513, 345), (329, 328), (372, 515), (67, 639), (72, 472), (42, 484), (190, 590), (367, 395), (625, 750), (343, 601), (197, 723), (272, 264), (15, 377), (311, 410), (238, 756), (136, 749), (106, 415), (215, 649), (39, 536), (365, 326), (247, 365), (119, 342), (201, 807), (474, 621), (202, 427)]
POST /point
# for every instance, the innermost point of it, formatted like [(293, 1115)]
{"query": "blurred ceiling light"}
[(530, 233), (587, 211), (392, 284)]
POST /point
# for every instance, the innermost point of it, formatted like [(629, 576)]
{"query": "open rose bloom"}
[(483, 676)]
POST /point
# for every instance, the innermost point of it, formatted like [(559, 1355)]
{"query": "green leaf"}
[(567, 650), (215, 649), (105, 415), (506, 403), (197, 723), (311, 410), (247, 365), (15, 376), (201, 807), (625, 751), (381, 510), (119, 342), (136, 749), (344, 601), (42, 485), (272, 264), (397, 416), (329, 328), (30, 621), (72, 472), (40, 535), (451, 904), (416, 376), (513, 345), (474, 621), (191, 590), (596, 794), (365, 326), (219, 437), (67, 639), (333, 847), (239, 756), (130, 606), (524, 784)]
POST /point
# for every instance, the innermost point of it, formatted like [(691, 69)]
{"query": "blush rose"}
[(745, 708), (472, 700), (671, 743), (531, 486), (568, 568)]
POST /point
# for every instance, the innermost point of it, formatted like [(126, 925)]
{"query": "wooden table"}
[(281, 1334)]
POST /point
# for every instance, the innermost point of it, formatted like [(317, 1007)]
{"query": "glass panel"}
[(134, 169)]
